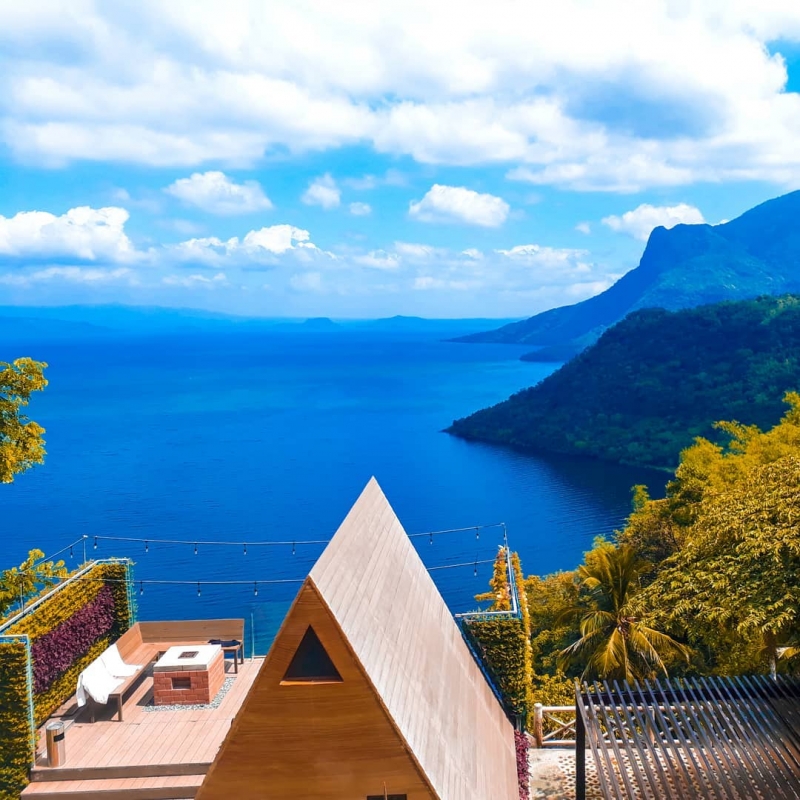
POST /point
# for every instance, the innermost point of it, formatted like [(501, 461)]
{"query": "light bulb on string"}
[(95, 543), (476, 567), (477, 532), (245, 548), (431, 537), (71, 554), (146, 546), (141, 588), (195, 548), (293, 550), (198, 588), (255, 589)]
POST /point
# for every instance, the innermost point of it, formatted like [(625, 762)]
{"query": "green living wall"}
[(43, 651)]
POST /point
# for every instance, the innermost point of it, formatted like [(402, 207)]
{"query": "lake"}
[(229, 435)]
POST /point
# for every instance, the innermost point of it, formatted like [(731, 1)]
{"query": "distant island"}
[(689, 265), (655, 381)]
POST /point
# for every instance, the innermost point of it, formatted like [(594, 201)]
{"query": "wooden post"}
[(580, 754), (538, 724)]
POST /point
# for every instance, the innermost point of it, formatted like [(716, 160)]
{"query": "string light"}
[(198, 588), (146, 546), (141, 588), (476, 567), (195, 548), (431, 537), (477, 532), (245, 548), (95, 543), (71, 554), (294, 543), (255, 588)]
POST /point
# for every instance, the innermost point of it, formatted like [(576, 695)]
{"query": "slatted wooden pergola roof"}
[(714, 738)]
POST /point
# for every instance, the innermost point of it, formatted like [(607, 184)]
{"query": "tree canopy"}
[(654, 382), (21, 442)]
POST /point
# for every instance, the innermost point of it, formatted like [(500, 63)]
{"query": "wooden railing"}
[(553, 726)]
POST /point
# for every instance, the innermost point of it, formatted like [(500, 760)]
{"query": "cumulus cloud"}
[(84, 233), (583, 227), (360, 209), (189, 281), (323, 192), (379, 259), (459, 204), (640, 222), (216, 193), (256, 245), (307, 282), (565, 95), (85, 275)]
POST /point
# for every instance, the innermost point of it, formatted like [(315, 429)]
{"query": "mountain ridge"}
[(686, 266)]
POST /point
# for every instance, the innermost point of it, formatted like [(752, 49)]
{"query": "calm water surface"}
[(271, 436)]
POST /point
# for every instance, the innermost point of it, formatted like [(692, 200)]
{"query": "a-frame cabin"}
[(369, 691)]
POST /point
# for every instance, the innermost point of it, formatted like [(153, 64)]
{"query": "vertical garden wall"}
[(45, 648)]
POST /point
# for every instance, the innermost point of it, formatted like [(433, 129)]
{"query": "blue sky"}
[(370, 159)]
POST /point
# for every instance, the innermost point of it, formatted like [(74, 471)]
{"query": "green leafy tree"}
[(739, 571), (18, 584), (614, 641), (21, 443)]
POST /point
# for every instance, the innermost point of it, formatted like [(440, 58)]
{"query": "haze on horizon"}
[(368, 159)]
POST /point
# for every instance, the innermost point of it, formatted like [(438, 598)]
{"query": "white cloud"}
[(360, 209), (418, 251), (189, 281), (216, 193), (379, 259), (472, 252), (563, 94), (323, 192), (307, 282), (583, 227), (392, 177), (458, 204), (82, 233), (85, 275), (640, 222), (262, 244)]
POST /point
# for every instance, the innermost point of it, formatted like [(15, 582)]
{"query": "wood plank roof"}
[(412, 713), (400, 629)]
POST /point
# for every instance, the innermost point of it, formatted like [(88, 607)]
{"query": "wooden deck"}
[(150, 755)]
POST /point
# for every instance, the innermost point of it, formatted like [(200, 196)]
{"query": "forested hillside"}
[(654, 382)]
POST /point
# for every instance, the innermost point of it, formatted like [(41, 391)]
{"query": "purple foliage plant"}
[(56, 651)]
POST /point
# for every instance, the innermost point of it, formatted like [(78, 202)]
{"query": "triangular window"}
[(311, 663)]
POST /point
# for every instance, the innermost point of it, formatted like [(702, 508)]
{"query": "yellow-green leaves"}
[(21, 443)]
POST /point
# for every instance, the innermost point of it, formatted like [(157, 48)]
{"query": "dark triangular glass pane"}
[(311, 662)]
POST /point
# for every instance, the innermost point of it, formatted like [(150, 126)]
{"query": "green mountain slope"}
[(655, 381), (686, 266)]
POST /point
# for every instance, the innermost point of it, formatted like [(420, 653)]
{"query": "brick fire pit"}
[(188, 675)]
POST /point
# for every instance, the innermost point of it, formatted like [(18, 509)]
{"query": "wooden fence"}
[(553, 726)]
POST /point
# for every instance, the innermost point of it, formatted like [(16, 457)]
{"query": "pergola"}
[(731, 738)]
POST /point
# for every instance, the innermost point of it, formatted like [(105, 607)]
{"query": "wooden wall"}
[(331, 741)]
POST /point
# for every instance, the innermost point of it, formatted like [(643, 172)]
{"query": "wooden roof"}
[(411, 711), (401, 631), (714, 738)]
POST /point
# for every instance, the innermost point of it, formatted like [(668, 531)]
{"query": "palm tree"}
[(614, 642)]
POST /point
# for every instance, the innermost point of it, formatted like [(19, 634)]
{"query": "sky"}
[(366, 159)]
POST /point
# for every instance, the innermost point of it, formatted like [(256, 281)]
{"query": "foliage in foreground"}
[(21, 443), (710, 573)]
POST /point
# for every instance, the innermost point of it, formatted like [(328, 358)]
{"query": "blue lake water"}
[(271, 436)]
